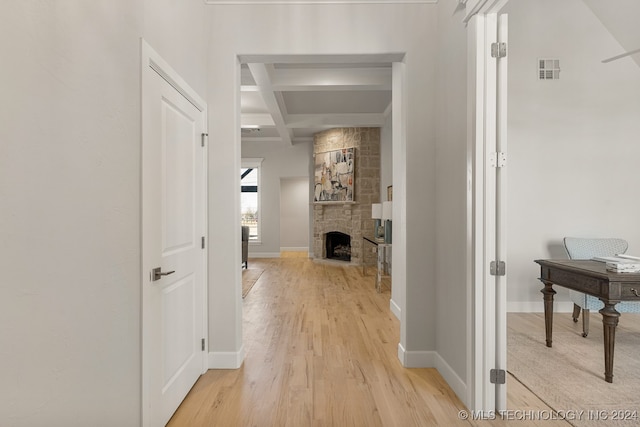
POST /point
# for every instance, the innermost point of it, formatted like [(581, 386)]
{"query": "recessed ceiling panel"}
[(252, 103)]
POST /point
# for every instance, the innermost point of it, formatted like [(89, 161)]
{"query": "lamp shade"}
[(387, 210), (376, 211)]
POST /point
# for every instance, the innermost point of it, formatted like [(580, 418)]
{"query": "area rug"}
[(570, 375), (249, 278)]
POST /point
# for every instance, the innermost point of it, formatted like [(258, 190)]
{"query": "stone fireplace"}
[(352, 219)]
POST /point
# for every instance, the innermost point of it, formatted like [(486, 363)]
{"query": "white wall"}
[(330, 29), (386, 157), (70, 220), (573, 143), (280, 161), (177, 30), (452, 298), (70, 194), (294, 213)]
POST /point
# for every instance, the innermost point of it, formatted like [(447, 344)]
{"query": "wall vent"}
[(548, 69)]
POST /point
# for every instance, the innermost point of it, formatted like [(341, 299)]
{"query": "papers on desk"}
[(621, 263)]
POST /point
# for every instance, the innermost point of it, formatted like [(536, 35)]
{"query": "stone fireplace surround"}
[(353, 219)]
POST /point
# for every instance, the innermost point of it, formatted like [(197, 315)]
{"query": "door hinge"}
[(204, 137), (202, 344), (498, 376), (498, 268), (202, 242), (498, 50), (498, 160)]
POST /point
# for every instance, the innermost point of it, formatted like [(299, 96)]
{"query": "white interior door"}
[(489, 85), (173, 231), (501, 209), (495, 254)]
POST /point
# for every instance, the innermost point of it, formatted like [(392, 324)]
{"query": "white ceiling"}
[(620, 18), (289, 101)]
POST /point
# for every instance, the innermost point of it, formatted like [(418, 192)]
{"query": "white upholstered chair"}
[(585, 248)]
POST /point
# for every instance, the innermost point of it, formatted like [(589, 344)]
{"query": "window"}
[(250, 197)]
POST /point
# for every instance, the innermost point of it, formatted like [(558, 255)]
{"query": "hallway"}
[(321, 350)]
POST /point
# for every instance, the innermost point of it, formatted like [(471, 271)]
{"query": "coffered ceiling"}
[(289, 101)]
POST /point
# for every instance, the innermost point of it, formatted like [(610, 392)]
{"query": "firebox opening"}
[(338, 246)]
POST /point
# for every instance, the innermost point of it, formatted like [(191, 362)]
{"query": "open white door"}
[(488, 81), (501, 209), (173, 232)]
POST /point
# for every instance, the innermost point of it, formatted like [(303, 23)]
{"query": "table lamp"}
[(387, 214), (376, 213)]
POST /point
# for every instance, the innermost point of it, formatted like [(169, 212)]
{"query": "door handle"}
[(157, 273)]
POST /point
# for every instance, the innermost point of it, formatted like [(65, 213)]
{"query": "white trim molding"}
[(416, 359), (226, 359), (294, 249), (431, 359), (251, 162), (474, 7), (395, 309), (538, 306), (264, 254), (449, 374)]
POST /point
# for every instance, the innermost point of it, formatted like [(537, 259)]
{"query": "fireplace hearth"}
[(338, 246)]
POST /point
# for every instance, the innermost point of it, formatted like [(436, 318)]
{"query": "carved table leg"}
[(609, 320), (548, 309)]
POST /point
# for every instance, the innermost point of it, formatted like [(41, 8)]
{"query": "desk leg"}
[(609, 320), (380, 271), (548, 309)]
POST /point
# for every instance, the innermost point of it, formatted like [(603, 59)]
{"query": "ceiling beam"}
[(300, 121), (364, 58), (261, 139), (262, 75), (331, 79), (256, 119)]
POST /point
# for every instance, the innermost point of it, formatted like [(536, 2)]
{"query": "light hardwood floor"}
[(321, 350)]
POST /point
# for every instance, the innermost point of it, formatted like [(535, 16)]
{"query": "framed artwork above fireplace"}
[(334, 176)]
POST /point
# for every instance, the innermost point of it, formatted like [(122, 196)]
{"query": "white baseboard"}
[(292, 249), (431, 359), (401, 353), (416, 359), (538, 306), (395, 309), (226, 359), (264, 254), (451, 377)]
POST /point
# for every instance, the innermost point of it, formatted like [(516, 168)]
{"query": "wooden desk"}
[(590, 277)]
